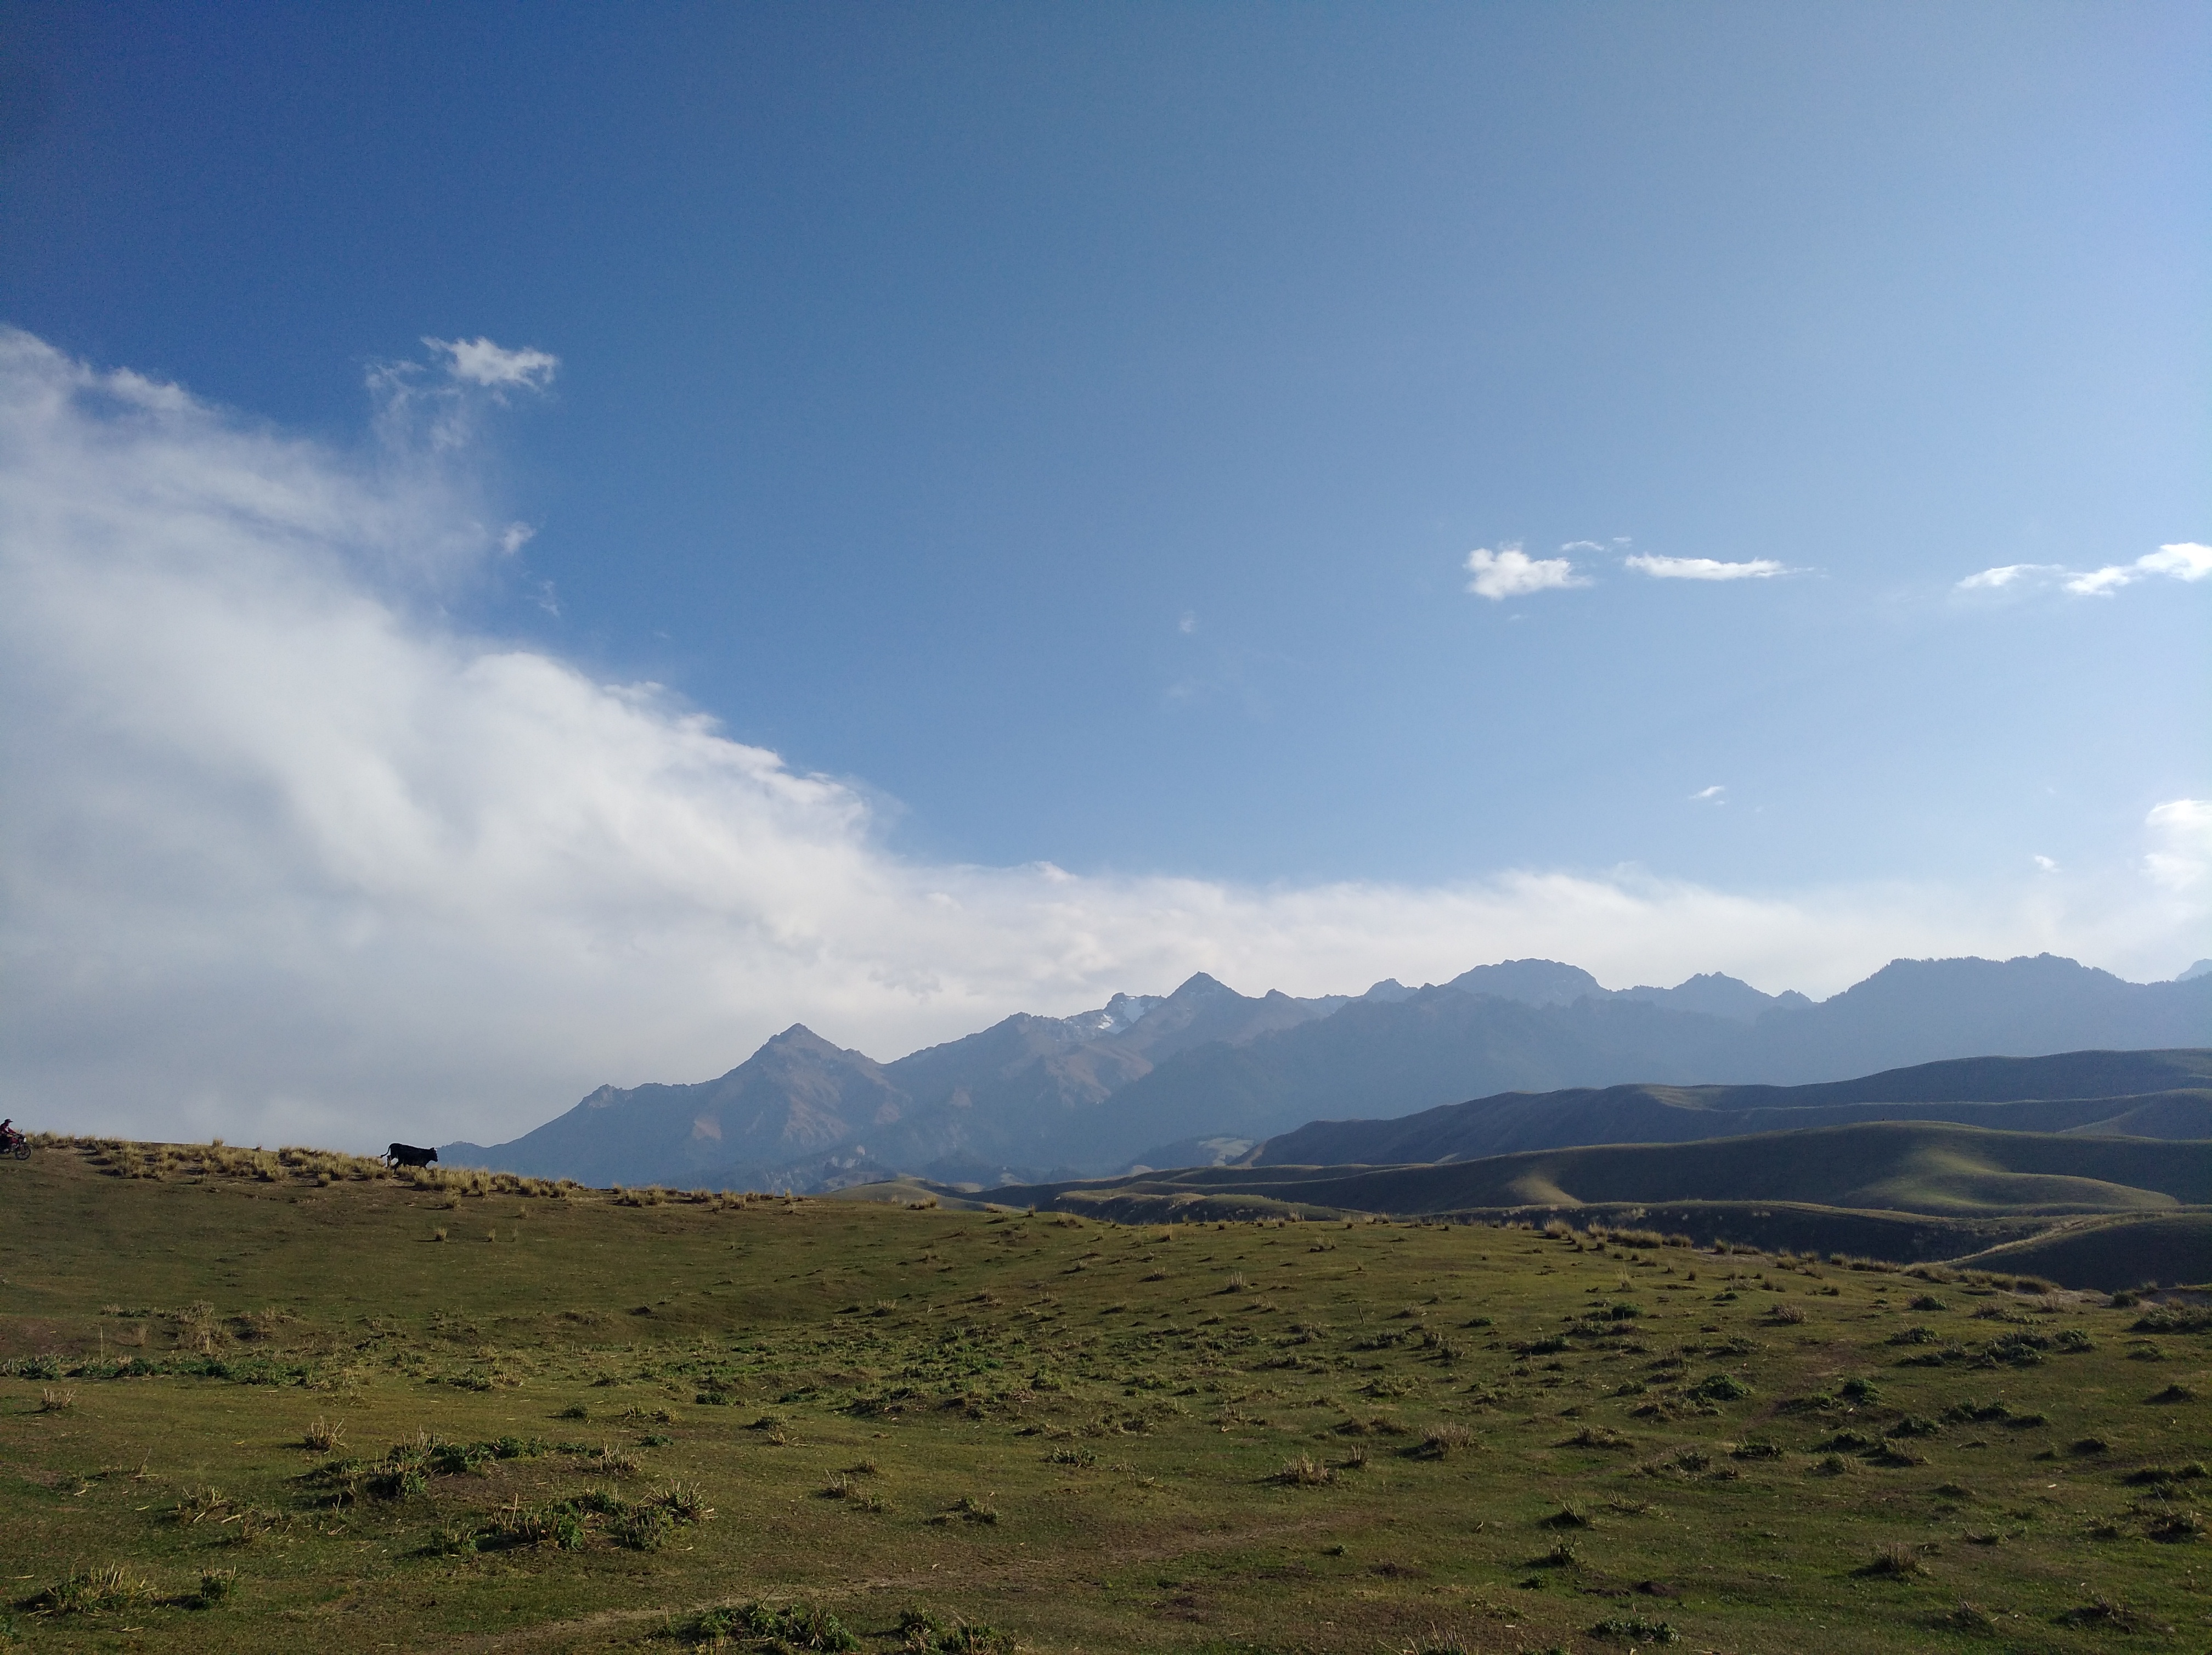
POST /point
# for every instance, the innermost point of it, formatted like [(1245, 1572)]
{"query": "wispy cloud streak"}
[(2183, 560), (1704, 568)]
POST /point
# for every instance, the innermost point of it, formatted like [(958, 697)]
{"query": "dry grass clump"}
[(196, 1505), (1445, 1439), (323, 1436), (1896, 1560), (98, 1591), (966, 1509), (1304, 1471)]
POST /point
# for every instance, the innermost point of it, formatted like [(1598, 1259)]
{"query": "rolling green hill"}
[(252, 1403), (2151, 1094), (1905, 1190), (1897, 1166), (2109, 1253)]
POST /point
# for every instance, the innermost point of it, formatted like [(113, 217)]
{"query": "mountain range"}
[(1206, 1075)]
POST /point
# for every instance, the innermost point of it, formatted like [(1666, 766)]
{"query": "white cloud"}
[(2044, 865), (1703, 569), (1509, 572), (479, 361), (2183, 560), (286, 858), (1712, 793), (2006, 575), (2182, 829)]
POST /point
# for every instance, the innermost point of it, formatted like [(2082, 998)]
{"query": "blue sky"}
[(1069, 429)]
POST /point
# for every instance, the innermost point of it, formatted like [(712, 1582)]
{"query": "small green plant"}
[(216, 1586), (792, 1626), (922, 1633), (1631, 1628), (966, 1509)]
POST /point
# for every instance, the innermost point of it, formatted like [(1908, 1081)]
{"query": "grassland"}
[(250, 1403)]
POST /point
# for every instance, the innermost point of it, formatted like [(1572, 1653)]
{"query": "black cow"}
[(408, 1155)]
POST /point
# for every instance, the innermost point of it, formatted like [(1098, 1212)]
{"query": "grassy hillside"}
[(2111, 1252), (1908, 1167), (247, 1402), (2152, 1094)]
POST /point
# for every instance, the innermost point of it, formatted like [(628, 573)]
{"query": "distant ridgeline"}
[(1206, 1076)]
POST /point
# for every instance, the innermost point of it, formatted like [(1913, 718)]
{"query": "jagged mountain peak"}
[(1202, 985), (798, 1037)]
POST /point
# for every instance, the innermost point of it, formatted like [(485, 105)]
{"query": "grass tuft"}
[(1896, 1560), (100, 1590)]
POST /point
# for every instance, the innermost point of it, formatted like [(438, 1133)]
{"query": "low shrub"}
[(1634, 1629), (921, 1633), (791, 1625)]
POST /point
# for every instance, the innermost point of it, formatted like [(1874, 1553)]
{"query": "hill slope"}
[(2159, 1094), (1896, 1166), (541, 1418)]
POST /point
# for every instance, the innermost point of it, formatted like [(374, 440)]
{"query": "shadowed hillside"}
[(1894, 1166), (2109, 1253), (2159, 1094)]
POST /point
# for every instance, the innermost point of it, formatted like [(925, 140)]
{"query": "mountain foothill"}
[(1208, 1077)]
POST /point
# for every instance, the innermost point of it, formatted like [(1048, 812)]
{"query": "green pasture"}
[(254, 1403)]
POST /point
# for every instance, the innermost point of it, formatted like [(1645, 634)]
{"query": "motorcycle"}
[(15, 1143)]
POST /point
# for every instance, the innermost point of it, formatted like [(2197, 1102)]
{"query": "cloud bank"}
[(288, 856), (2182, 830)]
